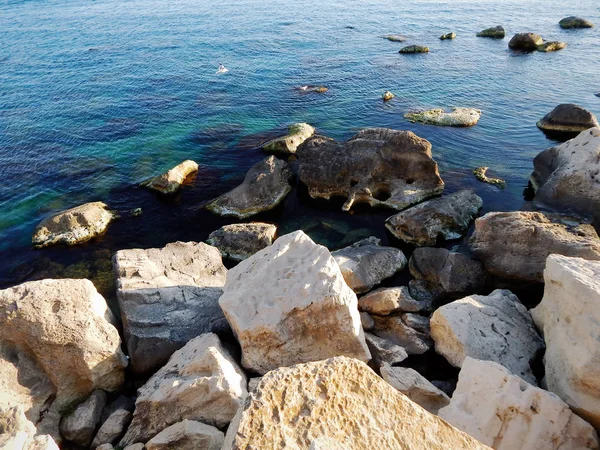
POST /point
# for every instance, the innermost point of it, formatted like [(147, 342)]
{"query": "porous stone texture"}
[(496, 327), (551, 46), (569, 319), (527, 42), (505, 412), (377, 166), (366, 263), (575, 22), (568, 118), (79, 425), (496, 32), (287, 145), (395, 330), (414, 49), (168, 296), (187, 435), (300, 406), (58, 343), (446, 36), (200, 382), (385, 301), (113, 428), (441, 274), (265, 186), (415, 386), (73, 226), (239, 241), (172, 180), (442, 218), (513, 246), (459, 117), (567, 177), (383, 350), (289, 303)]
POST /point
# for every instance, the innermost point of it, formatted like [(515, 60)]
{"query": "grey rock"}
[(385, 301), (575, 22), (416, 321), (239, 241), (396, 331), (187, 435), (527, 42), (384, 351), (80, 424), (137, 446), (253, 383), (568, 118), (113, 428), (366, 321), (395, 37), (105, 447), (496, 32)]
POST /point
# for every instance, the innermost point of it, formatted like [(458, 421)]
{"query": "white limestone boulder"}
[(172, 180), (187, 435), (287, 145)]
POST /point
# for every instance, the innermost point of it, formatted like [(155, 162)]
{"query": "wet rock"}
[(265, 186), (384, 350), (527, 42), (451, 35), (568, 118), (73, 226), (496, 327), (459, 117), (171, 181), (575, 22), (496, 32), (187, 435), (513, 246), (387, 95), (415, 386), (80, 424), (396, 331), (390, 300), (113, 428), (414, 49), (288, 144), (366, 263), (239, 241), (200, 382), (481, 174), (289, 303), (168, 296), (441, 274), (551, 46), (378, 166), (395, 37), (569, 319), (503, 411), (301, 406)]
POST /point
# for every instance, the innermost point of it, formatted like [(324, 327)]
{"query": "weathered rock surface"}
[(79, 425), (24, 441), (106, 447), (366, 321), (366, 263), (300, 406), (137, 446), (172, 180), (57, 344), (383, 350), (441, 218), (265, 186), (459, 117), (513, 246), (168, 296), (441, 274), (113, 428), (389, 300), (481, 174), (387, 95), (73, 226), (378, 166), (446, 36), (568, 118), (496, 32), (187, 435), (496, 328), (569, 319), (505, 412), (239, 241), (395, 330), (395, 37), (527, 42), (567, 177), (551, 46), (415, 386), (289, 303), (287, 145), (414, 49), (200, 382), (575, 22)]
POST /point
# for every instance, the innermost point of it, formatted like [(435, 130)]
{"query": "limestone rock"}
[(394, 329), (80, 424), (496, 327), (366, 263), (289, 303), (23, 441), (288, 144), (113, 428), (415, 386), (451, 35), (378, 166), (13, 420), (551, 46), (137, 446), (496, 32), (441, 218), (414, 49), (567, 176), (503, 411), (58, 343), (389, 300), (527, 42), (441, 274), (171, 181), (395, 37), (481, 174), (387, 96), (168, 296), (513, 246), (200, 382), (73, 226), (384, 350), (459, 117), (569, 319), (265, 186), (239, 241), (296, 407), (568, 118), (187, 435), (575, 22)]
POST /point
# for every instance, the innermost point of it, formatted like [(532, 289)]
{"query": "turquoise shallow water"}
[(96, 96)]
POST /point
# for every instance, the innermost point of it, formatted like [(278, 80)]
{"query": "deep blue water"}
[(96, 96)]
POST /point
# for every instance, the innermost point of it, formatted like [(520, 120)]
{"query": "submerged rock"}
[(395, 37), (387, 95), (390, 300), (171, 181), (288, 144), (551, 46), (187, 435), (73, 226), (575, 22), (481, 174), (414, 49), (343, 401), (239, 241), (446, 36), (527, 42), (265, 186), (378, 166), (496, 32), (568, 118), (459, 117)]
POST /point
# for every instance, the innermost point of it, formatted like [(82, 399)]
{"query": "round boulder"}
[(527, 42), (575, 22), (568, 118)]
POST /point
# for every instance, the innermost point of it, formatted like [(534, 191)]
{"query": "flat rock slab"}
[(414, 49), (459, 117), (287, 145), (172, 180), (239, 241), (168, 296)]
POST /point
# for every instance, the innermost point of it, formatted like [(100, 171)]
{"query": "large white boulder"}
[(289, 304), (569, 319), (505, 412)]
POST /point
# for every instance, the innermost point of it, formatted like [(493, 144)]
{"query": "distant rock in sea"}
[(395, 37), (446, 36), (575, 22), (459, 117), (414, 49), (496, 32)]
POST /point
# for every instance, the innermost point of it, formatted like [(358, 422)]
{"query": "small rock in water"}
[(551, 46), (387, 95), (310, 88), (496, 32), (575, 22), (395, 37), (459, 117), (414, 49), (288, 144), (568, 118), (480, 174), (446, 36), (136, 212), (526, 42), (171, 181)]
